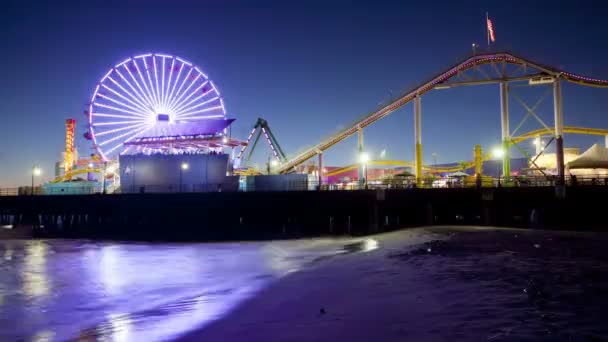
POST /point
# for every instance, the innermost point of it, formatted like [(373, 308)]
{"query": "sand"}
[(435, 284)]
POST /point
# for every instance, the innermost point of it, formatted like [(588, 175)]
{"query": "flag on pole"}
[(491, 36)]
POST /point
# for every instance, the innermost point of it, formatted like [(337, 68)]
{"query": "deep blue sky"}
[(308, 67)]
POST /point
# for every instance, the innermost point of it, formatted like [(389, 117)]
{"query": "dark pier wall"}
[(262, 215)]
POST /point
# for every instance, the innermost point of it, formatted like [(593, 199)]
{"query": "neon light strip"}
[(112, 115), (162, 83), (121, 136), (150, 83), (141, 76), (141, 93), (116, 109), (184, 61), (200, 72), (114, 123), (157, 89), (201, 117), (118, 130), (196, 106), (169, 82), (179, 106), (122, 104), (138, 106), (177, 95), (175, 82), (135, 95), (123, 62), (178, 103)]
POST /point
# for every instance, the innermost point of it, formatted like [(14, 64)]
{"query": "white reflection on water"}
[(43, 336), (35, 280), (110, 275), (121, 327), (8, 253)]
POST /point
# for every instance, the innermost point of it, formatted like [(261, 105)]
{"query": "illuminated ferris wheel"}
[(146, 95)]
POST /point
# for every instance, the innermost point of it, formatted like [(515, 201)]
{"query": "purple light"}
[(112, 116), (157, 89), (200, 72), (114, 123), (141, 93), (184, 61), (170, 99), (139, 106), (123, 62), (169, 81), (122, 104), (203, 117), (180, 88), (180, 105), (116, 109), (150, 82), (118, 129), (184, 111), (122, 135), (149, 92), (177, 103), (162, 88), (138, 97)]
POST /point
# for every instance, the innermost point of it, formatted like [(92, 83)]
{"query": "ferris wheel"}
[(145, 94)]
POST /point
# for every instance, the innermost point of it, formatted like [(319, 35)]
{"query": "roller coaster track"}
[(470, 63), (469, 164)]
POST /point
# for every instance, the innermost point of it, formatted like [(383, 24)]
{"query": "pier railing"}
[(429, 183)]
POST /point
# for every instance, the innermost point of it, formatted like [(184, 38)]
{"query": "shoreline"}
[(432, 283)]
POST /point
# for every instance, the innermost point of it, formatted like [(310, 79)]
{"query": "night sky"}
[(308, 67)]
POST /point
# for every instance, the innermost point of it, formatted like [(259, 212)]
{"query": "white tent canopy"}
[(596, 157)]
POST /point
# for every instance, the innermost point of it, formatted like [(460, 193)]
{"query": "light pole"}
[(36, 171), (498, 153), (183, 167), (363, 159), (434, 155)]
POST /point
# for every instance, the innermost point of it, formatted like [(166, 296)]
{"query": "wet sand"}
[(437, 284)]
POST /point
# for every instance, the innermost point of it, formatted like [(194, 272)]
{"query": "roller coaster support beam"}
[(559, 129), (418, 138), (361, 163), (504, 115), (320, 169)]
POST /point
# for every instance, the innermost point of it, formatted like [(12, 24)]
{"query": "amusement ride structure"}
[(501, 68)]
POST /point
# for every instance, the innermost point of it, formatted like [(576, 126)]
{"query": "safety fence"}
[(410, 183)]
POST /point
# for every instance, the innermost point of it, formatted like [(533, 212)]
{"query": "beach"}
[(436, 284)]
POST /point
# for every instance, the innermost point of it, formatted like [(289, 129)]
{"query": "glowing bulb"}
[(498, 152), (185, 166), (37, 171), (274, 163), (363, 158)]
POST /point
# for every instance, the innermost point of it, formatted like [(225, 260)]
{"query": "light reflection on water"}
[(58, 290)]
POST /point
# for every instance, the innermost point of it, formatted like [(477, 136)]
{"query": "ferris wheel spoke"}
[(118, 129), (135, 96), (117, 109), (140, 94), (127, 140), (181, 104), (172, 105), (186, 110), (115, 123), (157, 89), (217, 116), (150, 82), (185, 115), (162, 84), (122, 135), (138, 106), (175, 82), (169, 81), (112, 115), (136, 111), (143, 81), (176, 96)]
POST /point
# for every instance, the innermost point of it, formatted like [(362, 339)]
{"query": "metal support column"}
[(538, 143), (559, 129), (418, 139), (320, 170), (504, 121), (361, 164)]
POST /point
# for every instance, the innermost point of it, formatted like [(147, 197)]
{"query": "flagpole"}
[(487, 30)]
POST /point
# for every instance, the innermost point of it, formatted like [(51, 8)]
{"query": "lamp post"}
[(36, 171), (498, 153), (364, 159), (183, 167)]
